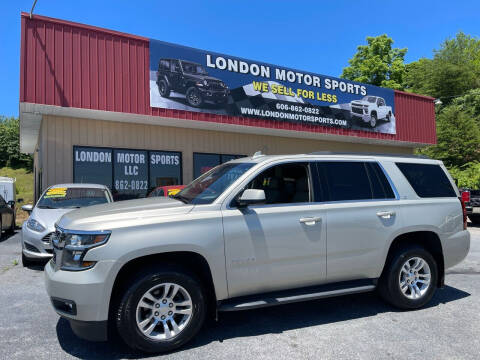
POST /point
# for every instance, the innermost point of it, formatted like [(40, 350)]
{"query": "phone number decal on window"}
[(131, 185)]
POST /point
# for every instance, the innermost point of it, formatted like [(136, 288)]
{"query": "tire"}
[(193, 97), (373, 120), (389, 285), (26, 262), (163, 89), (153, 284), (475, 219)]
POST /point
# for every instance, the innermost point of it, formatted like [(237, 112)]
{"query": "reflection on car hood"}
[(123, 213), (48, 217)]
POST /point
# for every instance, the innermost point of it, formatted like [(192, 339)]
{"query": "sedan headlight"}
[(34, 225), (75, 247)]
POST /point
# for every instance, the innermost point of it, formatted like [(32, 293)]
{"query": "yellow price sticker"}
[(56, 192)]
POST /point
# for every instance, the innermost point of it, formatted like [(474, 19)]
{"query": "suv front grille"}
[(46, 238), (215, 86)]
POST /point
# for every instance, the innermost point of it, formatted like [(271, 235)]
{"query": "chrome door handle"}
[(310, 220), (386, 214)]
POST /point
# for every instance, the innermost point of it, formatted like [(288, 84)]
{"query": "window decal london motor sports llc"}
[(189, 79)]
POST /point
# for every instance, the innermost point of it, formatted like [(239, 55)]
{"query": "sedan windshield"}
[(209, 186), (65, 197), (194, 69)]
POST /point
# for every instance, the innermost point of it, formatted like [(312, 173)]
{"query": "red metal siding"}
[(74, 65)]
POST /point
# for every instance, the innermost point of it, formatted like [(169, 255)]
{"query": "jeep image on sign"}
[(192, 80)]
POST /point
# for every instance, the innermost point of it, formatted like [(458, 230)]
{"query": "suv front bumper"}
[(87, 292)]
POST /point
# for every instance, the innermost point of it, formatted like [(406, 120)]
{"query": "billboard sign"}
[(189, 79)]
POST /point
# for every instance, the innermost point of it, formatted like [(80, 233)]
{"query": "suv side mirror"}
[(28, 208), (251, 197)]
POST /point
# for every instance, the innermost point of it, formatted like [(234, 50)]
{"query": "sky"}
[(314, 36)]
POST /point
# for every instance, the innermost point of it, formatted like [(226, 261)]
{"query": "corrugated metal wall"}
[(74, 65)]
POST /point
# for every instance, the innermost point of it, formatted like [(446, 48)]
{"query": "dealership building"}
[(133, 113)]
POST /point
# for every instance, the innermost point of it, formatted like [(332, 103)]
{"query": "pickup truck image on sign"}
[(192, 80), (370, 109)]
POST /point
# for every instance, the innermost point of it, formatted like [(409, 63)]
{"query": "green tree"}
[(467, 176), (454, 69), (458, 137), (377, 63), (10, 145)]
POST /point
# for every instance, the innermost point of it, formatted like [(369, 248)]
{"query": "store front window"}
[(203, 162), (128, 173)]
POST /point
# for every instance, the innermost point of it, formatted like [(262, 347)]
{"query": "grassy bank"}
[(24, 186)]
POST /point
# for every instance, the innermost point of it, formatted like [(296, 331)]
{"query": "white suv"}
[(254, 232)]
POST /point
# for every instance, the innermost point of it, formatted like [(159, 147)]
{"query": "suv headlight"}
[(34, 225), (76, 246)]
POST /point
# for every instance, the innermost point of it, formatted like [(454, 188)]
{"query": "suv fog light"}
[(65, 306)]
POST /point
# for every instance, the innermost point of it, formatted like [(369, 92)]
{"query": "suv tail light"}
[(464, 211), (466, 196)]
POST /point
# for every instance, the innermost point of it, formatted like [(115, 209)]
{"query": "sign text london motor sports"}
[(195, 80)]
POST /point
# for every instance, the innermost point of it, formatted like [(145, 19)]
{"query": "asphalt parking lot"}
[(350, 327)]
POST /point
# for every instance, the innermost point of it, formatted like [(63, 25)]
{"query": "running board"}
[(297, 295)]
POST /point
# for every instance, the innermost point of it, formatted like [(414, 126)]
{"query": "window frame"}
[(231, 203)]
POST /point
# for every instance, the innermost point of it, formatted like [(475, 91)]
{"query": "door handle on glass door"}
[(310, 220), (386, 214)]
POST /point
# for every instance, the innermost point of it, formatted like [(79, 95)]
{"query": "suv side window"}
[(284, 184), (350, 181), (428, 180), (345, 180), (175, 66), (381, 188)]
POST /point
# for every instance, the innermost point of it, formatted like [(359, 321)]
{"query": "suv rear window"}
[(428, 180)]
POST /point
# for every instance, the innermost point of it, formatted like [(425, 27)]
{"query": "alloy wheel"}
[(164, 311), (414, 278)]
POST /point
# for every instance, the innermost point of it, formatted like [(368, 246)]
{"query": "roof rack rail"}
[(369, 154)]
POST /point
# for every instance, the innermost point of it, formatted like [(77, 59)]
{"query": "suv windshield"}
[(370, 99), (194, 69), (64, 197), (209, 186)]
